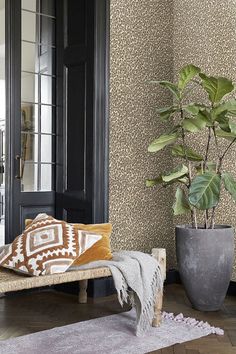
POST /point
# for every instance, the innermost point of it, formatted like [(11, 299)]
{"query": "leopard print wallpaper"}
[(140, 50), (152, 40)]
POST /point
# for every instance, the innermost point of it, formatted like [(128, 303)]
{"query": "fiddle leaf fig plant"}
[(198, 180)]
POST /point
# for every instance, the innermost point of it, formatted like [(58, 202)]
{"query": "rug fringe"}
[(193, 322)]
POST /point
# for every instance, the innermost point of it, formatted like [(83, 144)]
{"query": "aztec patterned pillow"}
[(47, 246)]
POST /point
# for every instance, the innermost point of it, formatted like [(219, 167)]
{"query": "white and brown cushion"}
[(47, 246)]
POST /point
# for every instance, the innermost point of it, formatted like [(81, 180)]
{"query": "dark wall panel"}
[(76, 30), (76, 116)]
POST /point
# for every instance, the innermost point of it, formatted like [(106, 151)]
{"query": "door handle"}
[(21, 167)]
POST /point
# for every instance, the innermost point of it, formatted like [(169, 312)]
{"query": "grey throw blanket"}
[(137, 277)]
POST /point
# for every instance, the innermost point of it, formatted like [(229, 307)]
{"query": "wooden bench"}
[(11, 281)]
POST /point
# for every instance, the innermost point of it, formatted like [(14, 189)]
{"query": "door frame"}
[(101, 111), (13, 101)]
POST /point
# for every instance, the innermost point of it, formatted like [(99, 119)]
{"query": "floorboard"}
[(23, 313)]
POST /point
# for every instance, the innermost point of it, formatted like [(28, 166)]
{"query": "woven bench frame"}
[(11, 281)]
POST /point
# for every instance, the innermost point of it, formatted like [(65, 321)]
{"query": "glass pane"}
[(47, 83), (29, 87), (29, 181), (30, 60), (47, 30), (29, 117), (2, 121), (48, 7), (29, 5), (46, 148), (47, 60), (29, 147), (46, 119), (28, 26), (46, 177)]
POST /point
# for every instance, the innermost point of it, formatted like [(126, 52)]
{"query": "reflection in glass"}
[(47, 7), (47, 60), (29, 57), (46, 177), (29, 87), (29, 117), (47, 30), (46, 119), (46, 148), (46, 89), (2, 121), (29, 181), (28, 5), (29, 147), (28, 26)]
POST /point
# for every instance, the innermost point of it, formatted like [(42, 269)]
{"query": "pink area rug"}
[(109, 335)]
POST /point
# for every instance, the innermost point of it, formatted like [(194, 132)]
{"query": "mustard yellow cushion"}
[(101, 250)]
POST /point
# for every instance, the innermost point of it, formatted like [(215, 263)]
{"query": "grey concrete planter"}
[(205, 261)]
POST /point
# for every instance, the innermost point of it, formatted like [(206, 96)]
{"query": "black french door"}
[(57, 98)]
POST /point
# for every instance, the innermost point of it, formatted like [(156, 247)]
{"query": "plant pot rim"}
[(217, 227)]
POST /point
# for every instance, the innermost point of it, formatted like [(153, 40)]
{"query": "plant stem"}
[(193, 211), (212, 224), (223, 155), (218, 150), (206, 216), (207, 149), (218, 171)]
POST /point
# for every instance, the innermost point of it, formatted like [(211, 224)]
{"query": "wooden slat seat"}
[(12, 281)]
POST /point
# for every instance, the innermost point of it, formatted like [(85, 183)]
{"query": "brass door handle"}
[(21, 167)]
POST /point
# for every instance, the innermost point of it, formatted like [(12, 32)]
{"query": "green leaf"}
[(216, 87), (224, 134), (183, 180), (166, 112), (204, 192), (170, 86), (205, 116), (232, 126), (181, 205), (211, 166), (198, 169), (175, 129), (153, 182), (162, 141), (179, 151), (192, 109), (193, 125), (230, 184), (223, 121), (187, 73), (178, 172), (227, 107)]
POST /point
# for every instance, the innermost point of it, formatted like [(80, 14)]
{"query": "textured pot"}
[(205, 262)]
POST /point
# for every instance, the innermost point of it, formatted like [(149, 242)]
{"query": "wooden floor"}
[(21, 314)]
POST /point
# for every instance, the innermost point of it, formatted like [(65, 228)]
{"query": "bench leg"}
[(83, 284), (157, 310), (160, 255)]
